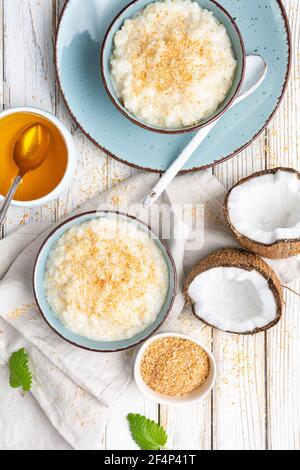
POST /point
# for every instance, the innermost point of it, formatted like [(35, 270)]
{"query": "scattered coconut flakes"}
[(175, 367), (19, 312)]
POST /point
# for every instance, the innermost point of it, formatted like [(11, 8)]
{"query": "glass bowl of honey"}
[(47, 182)]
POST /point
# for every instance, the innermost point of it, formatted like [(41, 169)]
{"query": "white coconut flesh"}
[(266, 209), (233, 299)]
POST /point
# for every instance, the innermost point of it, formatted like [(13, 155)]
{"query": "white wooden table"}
[(256, 402)]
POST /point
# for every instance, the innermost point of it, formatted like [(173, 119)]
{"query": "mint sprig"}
[(20, 375), (147, 434)]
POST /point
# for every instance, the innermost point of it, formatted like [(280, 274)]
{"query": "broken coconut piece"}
[(263, 213), (235, 291)]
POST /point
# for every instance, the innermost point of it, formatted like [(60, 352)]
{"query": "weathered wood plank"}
[(283, 354), (239, 396), (28, 73), (2, 229)]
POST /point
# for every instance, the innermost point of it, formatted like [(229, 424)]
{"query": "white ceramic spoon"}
[(256, 71)]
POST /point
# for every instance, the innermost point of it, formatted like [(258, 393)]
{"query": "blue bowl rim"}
[(171, 131), (148, 227)]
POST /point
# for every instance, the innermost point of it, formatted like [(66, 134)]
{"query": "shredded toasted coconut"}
[(175, 367), (180, 62)]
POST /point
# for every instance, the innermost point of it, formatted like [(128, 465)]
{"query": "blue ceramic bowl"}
[(238, 45), (49, 314)]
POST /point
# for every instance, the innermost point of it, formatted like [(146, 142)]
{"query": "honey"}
[(47, 177)]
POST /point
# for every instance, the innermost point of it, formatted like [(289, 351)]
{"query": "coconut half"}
[(263, 213), (235, 291)]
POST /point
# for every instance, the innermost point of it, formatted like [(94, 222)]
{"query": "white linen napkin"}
[(73, 389)]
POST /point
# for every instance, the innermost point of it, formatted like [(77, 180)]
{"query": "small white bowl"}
[(71, 163), (196, 395)]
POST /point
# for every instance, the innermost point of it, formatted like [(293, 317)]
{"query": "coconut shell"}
[(279, 250), (238, 258)]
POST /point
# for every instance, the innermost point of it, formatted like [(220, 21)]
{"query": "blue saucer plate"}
[(83, 25)]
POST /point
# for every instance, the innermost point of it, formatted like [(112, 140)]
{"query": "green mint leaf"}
[(20, 375), (147, 434)]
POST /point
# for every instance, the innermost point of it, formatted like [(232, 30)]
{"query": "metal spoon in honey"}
[(30, 152)]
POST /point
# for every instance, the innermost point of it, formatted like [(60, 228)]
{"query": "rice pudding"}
[(173, 64), (106, 279)]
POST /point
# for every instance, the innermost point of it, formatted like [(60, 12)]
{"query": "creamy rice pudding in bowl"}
[(173, 66), (104, 281)]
